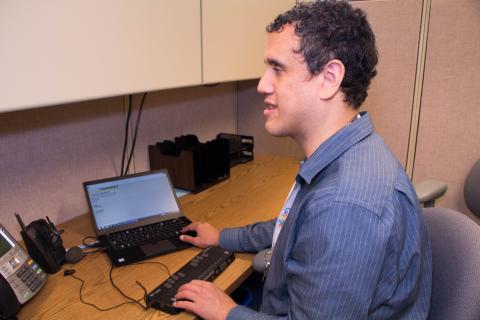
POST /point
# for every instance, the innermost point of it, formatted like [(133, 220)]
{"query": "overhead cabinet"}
[(234, 37), (56, 51)]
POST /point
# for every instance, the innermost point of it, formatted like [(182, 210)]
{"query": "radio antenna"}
[(20, 222)]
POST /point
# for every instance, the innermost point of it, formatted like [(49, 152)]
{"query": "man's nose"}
[(264, 85)]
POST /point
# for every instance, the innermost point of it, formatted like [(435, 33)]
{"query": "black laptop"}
[(136, 216)]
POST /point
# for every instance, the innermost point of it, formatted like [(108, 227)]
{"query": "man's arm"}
[(251, 238)]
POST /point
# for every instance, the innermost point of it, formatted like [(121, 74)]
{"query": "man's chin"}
[(275, 132)]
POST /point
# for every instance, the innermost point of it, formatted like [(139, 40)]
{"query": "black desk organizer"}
[(192, 165), (195, 166), (240, 148)]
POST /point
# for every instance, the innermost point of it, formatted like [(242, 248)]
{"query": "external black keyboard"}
[(150, 233), (207, 265)]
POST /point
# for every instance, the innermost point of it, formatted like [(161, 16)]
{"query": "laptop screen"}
[(129, 200)]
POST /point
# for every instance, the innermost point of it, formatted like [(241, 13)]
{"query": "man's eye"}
[(277, 69)]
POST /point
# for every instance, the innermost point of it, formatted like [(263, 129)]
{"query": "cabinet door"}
[(234, 37), (56, 51)]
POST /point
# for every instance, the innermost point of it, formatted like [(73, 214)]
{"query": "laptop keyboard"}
[(150, 233)]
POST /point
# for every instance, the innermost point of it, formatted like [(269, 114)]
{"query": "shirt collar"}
[(334, 146)]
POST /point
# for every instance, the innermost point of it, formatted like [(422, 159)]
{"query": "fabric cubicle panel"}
[(449, 138), (203, 111), (46, 153), (396, 25)]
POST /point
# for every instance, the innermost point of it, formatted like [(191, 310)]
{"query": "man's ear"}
[(332, 77)]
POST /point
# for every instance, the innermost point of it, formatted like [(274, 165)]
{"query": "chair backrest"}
[(472, 189), (455, 242)]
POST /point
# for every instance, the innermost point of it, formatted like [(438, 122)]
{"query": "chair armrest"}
[(430, 190)]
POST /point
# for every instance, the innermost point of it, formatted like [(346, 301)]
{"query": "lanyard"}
[(282, 218)]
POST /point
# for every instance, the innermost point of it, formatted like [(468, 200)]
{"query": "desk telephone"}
[(20, 277)]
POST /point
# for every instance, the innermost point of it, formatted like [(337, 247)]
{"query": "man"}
[(350, 242)]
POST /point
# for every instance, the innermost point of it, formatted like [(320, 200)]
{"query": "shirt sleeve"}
[(333, 266), (244, 313), (251, 238)]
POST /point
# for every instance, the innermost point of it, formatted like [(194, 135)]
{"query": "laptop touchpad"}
[(157, 248)]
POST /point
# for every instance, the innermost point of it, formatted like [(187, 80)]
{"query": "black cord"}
[(126, 132), (93, 305), (154, 262), (132, 149), (144, 298), (123, 294), (138, 283)]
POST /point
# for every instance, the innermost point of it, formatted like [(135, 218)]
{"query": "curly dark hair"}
[(329, 30)]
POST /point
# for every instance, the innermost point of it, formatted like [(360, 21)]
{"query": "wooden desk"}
[(254, 192)]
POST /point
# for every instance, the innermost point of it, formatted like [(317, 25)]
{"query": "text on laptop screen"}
[(124, 201)]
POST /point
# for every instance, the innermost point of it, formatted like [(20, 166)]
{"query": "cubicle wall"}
[(46, 153), (448, 139), (203, 111), (396, 25), (449, 133)]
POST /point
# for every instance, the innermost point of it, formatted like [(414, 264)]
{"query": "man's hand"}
[(204, 299), (206, 235)]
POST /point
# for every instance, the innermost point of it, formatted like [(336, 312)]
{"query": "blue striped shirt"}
[(354, 246)]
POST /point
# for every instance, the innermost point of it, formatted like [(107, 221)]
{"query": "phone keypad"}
[(23, 275), (31, 275)]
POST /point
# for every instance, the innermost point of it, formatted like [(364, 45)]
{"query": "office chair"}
[(471, 189), (430, 190), (455, 242)]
